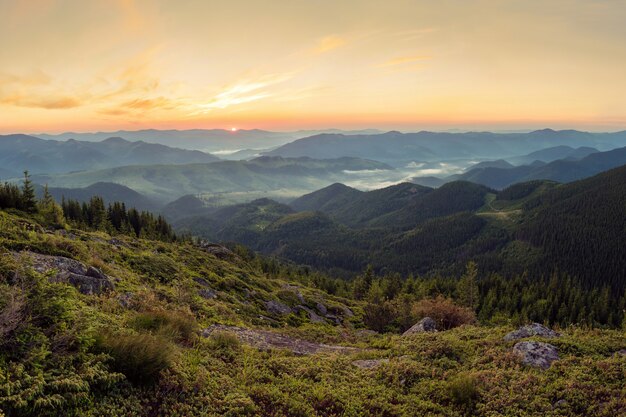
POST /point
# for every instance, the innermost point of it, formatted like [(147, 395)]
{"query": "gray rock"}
[(218, 251), (534, 329), (537, 354), (321, 308), (276, 307), (560, 404), (312, 314), (87, 279), (294, 289), (424, 325), (207, 293), (369, 363), (621, 352)]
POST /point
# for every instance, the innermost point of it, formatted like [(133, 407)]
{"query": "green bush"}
[(463, 390), (140, 357), (224, 345), (173, 325)]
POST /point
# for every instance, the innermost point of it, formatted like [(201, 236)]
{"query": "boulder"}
[(621, 352), (424, 325), (537, 354), (530, 330), (87, 279), (312, 314), (218, 251), (321, 308), (276, 307)]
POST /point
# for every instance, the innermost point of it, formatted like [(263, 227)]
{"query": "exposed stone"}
[(369, 363), (126, 299), (87, 279), (560, 404), (265, 340), (207, 293), (537, 354), (530, 330), (321, 308), (218, 251), (621, 352), (424, 325), (312, 314), (276, 307), (365, 333), (296, 290)]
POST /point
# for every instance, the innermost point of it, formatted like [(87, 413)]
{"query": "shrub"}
[(173, 325), (160, 267), (463, 391), (444, 312), (140, 357), (224, 345)]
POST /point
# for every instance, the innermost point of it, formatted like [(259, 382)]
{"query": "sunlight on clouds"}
[(244, 91), (329, 43)]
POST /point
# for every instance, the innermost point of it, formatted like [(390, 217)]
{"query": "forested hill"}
[(537, 227)]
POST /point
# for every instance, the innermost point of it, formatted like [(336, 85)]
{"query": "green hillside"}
[(111, 325)]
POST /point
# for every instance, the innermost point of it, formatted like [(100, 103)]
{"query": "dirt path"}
[(265, 339)]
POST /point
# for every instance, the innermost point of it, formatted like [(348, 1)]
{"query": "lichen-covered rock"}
[(276, 307), (87, 279), (537, 354), (424, 325), (530, 330)]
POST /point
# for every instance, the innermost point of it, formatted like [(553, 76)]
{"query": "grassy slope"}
[(429, 374)]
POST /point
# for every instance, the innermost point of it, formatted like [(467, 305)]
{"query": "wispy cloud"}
[(329, 43), (46, 102), (244, 91)]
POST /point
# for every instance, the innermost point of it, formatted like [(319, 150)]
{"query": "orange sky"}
[(403, 64)]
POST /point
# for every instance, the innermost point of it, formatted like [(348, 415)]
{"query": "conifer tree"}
[(28, 201)]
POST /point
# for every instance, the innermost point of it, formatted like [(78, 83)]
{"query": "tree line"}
[(89, 215)]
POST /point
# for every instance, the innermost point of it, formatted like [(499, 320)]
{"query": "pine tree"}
[(467, 286), (28, 201)]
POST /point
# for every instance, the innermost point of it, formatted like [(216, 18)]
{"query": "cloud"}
[(401, 60), (47, 102), (329, 43), (244, 91)]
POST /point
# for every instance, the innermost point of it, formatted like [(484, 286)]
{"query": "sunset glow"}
[(78, 66)]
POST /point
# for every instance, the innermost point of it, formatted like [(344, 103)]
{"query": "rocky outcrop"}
[(537, 354), (276, 307), (218, 251), (206, 291), (424, 325), (87, 279), (534, 329), (266, 340)]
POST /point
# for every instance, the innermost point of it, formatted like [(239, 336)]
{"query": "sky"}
[(94, 65)]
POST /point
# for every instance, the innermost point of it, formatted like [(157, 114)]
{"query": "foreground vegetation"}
[(140, 349)]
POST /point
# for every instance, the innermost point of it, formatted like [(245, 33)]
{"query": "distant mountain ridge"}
[(209, 140), (264, 174), (21, 152), (400, 148)]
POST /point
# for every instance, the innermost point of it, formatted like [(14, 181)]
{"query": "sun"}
[(233, 129)]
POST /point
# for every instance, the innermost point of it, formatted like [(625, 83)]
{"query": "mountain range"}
[(401, 148), (500, 174), (23, 152), (289, 176), (538, 226)]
